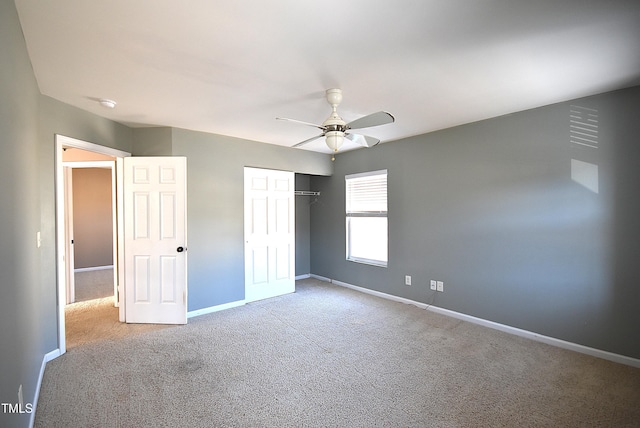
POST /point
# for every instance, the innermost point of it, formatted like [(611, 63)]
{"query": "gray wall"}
[(23, 323), (215, 204), (27, 205), (152, 141), (491, 209)]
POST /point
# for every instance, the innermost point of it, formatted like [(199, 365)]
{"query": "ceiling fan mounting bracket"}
[(334, 97)]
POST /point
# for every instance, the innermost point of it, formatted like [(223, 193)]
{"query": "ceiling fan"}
[(335, 130)]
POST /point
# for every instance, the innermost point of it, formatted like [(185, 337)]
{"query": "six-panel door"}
[(269, 233), (155, 240)]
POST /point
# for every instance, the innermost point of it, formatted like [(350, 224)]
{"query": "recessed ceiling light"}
[(107, 103)]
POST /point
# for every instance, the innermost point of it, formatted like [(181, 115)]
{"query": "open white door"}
[(155, 234), (269, 215)]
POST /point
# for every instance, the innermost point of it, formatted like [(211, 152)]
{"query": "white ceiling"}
[(231, 66)]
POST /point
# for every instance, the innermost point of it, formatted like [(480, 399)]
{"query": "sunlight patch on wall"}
[(585, 174)]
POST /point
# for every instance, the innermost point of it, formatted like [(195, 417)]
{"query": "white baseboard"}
[(87, 269), (321, 278), (230, 305), (622, 359), (47, 357), (216, 308)]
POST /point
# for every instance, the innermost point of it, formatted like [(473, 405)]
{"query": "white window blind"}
[(367, 193), (366, 218)]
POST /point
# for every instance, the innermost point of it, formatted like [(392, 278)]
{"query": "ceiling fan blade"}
[(363, 140), (301, 122), (302, 143), (374, 119)]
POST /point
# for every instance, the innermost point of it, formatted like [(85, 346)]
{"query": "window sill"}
[(368, 262)]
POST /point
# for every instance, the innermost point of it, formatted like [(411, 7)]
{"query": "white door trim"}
[(118, 257), (60, 142), (69, 236), (106, 164)]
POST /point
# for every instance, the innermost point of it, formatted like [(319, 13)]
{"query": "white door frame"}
[(69, 236), (60, 142)]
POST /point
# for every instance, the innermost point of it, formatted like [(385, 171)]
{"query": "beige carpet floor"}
[(327, 356)]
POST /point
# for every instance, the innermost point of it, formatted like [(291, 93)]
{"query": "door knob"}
[(181, 249)]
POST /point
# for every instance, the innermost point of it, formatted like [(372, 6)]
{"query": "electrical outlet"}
[(432, 284), (440, 286), (407, 280)]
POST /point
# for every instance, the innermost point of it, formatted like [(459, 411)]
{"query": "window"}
[(366, 203)]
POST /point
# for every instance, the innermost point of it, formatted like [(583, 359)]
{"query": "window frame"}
[(350, 214)]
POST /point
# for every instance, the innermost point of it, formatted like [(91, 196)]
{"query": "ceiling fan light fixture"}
[(334, 140)]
